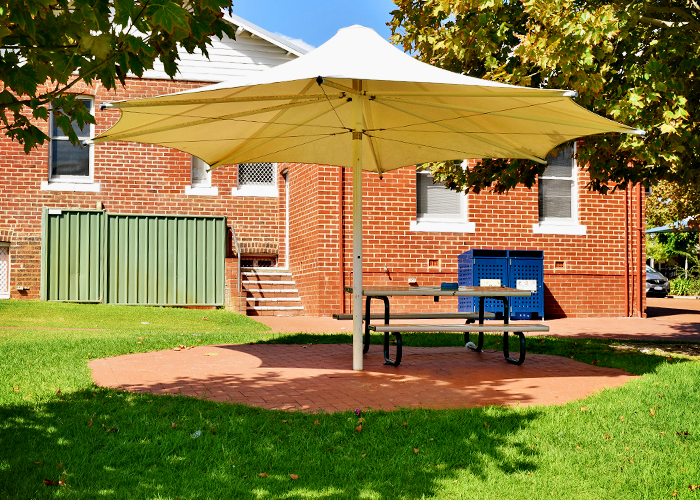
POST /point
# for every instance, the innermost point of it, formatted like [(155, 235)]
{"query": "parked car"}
[(657, 284)]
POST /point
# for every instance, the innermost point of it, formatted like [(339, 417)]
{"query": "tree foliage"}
[(634, 61), (63, 42)]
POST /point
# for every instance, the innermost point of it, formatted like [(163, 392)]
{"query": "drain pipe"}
[(341, 238), (628, 311)]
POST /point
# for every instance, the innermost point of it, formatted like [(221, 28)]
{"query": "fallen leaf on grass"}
[(364, 455), (263, 474), (61, 483), (361, 420), (16, 389), (38, 463), (173, 425), (405, 424), (486, 425), (607, 436), (59, 465), (316, 422), (49, 482), (622, 418), (652, 412), (694, 487), (58, 391), (294, 476), (204, 318), (683, 433), (358, 428), (583, 408), (416, 450)]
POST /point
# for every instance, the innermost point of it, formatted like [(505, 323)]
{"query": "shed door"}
[(4, 270), (165, 260), (71, 255)]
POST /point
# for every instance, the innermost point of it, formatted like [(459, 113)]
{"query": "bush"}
[(685, 286)]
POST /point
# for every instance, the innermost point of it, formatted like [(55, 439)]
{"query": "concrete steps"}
[(270, 292)]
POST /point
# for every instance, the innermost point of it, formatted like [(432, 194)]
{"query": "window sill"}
[(201, 191), (444, 226), (256, 191), (88, 187), (572, 229)]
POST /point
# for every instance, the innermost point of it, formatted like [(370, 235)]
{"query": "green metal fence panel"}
[(165, 260), (72, 255)]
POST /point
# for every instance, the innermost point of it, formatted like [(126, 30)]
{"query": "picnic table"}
[(499, 293)]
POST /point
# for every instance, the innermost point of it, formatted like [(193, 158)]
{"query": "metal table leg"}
[(506, 349)]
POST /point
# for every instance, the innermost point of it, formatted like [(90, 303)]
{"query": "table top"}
[(432, 291)]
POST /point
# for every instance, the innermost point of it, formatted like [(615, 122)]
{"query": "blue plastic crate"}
[(482, 267), (526, 272)]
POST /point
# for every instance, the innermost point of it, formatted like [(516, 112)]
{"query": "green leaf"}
[(99, 46), (170, 16)]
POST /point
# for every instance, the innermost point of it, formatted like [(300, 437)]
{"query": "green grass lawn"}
[(636, 441)]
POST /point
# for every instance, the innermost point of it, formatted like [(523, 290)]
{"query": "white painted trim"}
[(570, 228), (446, 226), (201, 191), (79, 187), (256, 191)]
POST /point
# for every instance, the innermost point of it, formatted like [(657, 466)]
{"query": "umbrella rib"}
[(522, 154), (504, 113), (238, 151), (166, 128), (143, 103)]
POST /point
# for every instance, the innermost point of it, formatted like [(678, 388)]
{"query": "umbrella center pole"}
[(357, 361)]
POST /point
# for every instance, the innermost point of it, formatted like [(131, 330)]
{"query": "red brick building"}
[(125, 223)]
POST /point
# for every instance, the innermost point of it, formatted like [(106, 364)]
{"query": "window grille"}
[(256, 174), (434, 200), (556, 186), (259, 261), (66, 159)]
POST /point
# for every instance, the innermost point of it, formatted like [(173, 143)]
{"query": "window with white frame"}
[(557, 200), (438, 208), (4, 270), (71, 162), (200, 179), (256, 179), (71, 165)]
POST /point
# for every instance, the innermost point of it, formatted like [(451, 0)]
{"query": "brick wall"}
[(584, 275), (133, 178)]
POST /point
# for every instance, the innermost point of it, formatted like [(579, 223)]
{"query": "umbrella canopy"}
[(357, 101)]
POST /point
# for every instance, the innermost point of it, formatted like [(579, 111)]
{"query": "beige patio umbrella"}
[(357, 101)]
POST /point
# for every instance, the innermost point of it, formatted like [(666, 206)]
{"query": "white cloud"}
[(296, 41)]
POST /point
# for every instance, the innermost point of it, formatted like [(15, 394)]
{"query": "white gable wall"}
[(227, 59)]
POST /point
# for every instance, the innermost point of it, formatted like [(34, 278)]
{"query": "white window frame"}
[(563, 225), (435, 223), (5, 294), (263, 191), (204, 187), (84, 183)]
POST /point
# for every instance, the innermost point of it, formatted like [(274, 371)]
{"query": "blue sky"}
[(315, 21)]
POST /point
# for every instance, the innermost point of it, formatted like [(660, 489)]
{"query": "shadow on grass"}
[(593, 351), (108, 444)]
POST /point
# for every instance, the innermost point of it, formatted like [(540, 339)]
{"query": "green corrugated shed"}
[(136, 259)]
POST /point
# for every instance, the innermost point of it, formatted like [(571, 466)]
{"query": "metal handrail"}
[(238, 259)]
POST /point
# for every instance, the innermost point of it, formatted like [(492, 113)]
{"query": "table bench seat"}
[(449, 315), (517, 328)]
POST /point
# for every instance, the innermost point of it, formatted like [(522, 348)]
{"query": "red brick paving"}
[(319, 377)]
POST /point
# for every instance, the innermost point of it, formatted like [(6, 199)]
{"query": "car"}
[(657, 284)]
